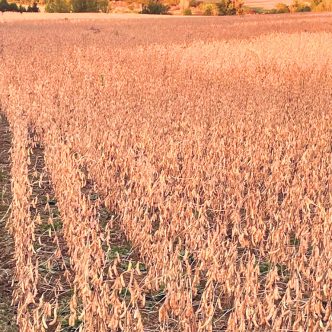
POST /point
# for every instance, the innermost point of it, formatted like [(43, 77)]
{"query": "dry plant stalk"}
[(213, 156), (22, 226)]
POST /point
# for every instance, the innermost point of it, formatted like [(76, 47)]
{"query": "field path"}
[(7, 315)]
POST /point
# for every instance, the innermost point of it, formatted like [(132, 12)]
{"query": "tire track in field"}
[(7, 311)]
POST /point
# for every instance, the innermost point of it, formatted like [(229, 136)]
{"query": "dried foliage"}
[(212, 154)]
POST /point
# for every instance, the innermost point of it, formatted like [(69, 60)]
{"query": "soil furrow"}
[(7, 311)]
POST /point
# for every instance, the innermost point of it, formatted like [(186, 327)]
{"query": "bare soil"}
[(7, 311)]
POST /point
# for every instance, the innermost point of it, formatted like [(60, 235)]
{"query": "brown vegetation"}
[(204, 143)]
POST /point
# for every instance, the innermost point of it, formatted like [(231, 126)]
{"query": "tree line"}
[(56, 6), (5, 6), (222, 7), (76, 6)]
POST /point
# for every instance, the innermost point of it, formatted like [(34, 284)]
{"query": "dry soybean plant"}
[(211, 156)]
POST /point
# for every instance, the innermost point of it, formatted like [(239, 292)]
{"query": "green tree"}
[(4, 6), (299, 6), (155, 7), (57, 6), (103, 5), (229, 7), (9, 7), (34, 8), (226, 7), (85, 6), (282, 8), (208, 9)]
